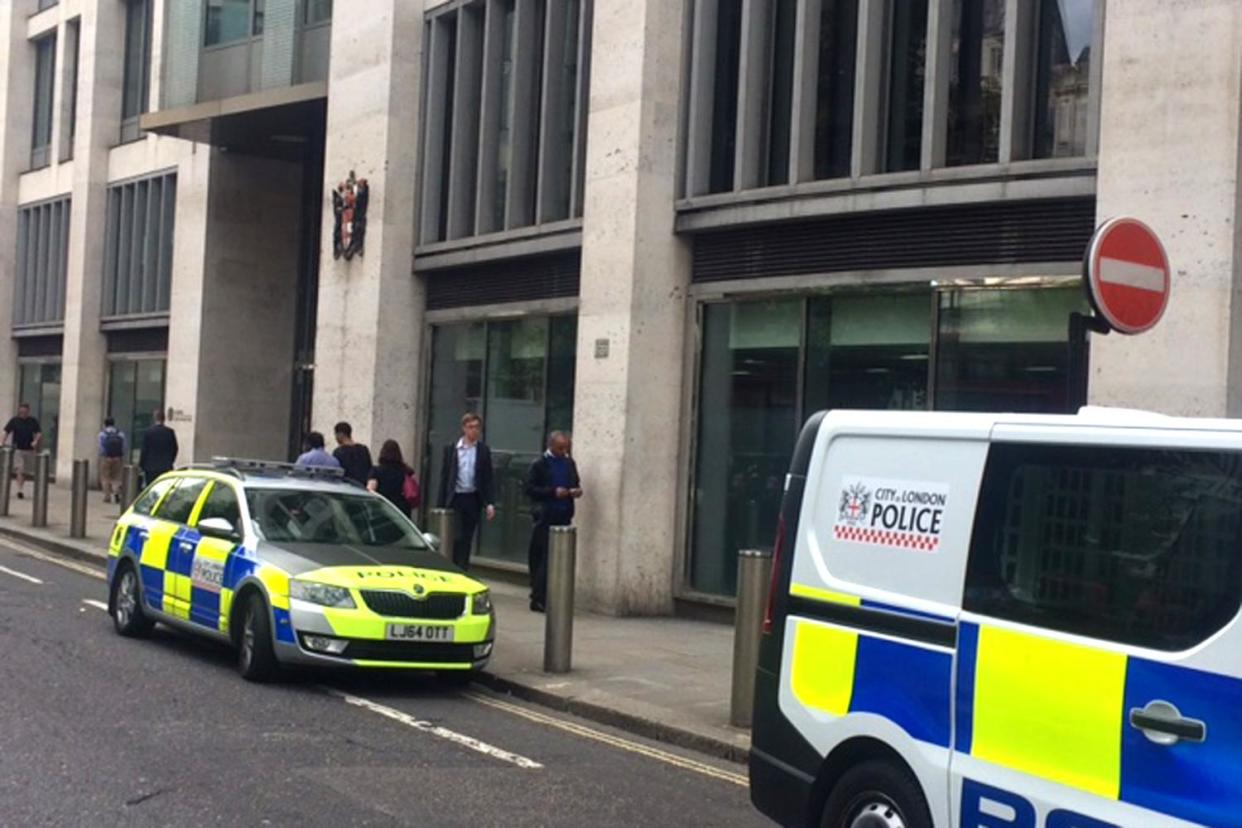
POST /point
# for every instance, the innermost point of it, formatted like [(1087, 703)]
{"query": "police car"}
[(293, 567), (1005, 620)]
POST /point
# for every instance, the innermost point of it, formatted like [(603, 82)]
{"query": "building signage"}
[(1127, 275), (902, 514)]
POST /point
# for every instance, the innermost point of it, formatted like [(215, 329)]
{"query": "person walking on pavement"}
[(552, 484), (112, 450), (393, 479), (316, 454), (466, 485), (355, 458), (159, 449), (24, 433)]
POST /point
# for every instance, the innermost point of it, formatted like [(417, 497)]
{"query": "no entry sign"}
[(1127, 275)]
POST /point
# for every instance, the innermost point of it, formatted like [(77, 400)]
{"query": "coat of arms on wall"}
[(349, 205)]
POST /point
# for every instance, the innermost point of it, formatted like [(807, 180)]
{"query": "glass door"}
[(135, 392)]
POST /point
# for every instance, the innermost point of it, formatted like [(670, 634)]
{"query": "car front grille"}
[(400, 605), (410, 651)]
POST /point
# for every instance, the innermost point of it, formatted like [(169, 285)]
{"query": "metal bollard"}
[(558, 630), (754, 569), (129, 486), (43, 470), (6, 479), (444, 527), (77, 506)]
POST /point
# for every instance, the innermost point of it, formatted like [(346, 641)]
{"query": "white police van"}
[(1005, 620)]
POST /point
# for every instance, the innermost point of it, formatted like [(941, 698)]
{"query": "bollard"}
[(6, 479), (77, 505), (444, 527), (43, 467), (129, 486), (754, 569), (558, 631)]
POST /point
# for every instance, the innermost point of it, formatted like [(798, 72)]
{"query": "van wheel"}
[(256, 658), (876, 794), (125, 602)]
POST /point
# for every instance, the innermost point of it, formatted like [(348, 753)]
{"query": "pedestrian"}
[(24, 433), (355, 458), (393, 479), (159, 449), (552, 484), (113, 448), (316, 455), (466, 485)]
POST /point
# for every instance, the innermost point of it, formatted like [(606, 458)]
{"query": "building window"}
[(519, 374), (69, 102), (780, 116), (42, 263), (318, 11), (39, 386), (139, 246), (47, 4), (45, 74), (135, 393), (1061, 95), (905, 41), (834, 110), (135, 91), (229, 21), (978, 45), (724, 94)]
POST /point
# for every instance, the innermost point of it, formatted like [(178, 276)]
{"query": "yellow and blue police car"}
[(1005, 621), (293, 566)]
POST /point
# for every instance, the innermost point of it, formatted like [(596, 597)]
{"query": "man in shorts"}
[(24, 434)]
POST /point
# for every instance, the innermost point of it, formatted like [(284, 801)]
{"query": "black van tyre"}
[(256, 657), (125, 604), (876, 794)]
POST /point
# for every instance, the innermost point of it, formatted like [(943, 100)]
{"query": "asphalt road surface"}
[(100, 730)]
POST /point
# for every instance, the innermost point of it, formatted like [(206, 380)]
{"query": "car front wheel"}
[(126, 605)]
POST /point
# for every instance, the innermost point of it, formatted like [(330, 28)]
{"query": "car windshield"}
[(293, 516)]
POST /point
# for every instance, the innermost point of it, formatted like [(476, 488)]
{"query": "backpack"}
[(113, 444), (410, 491)]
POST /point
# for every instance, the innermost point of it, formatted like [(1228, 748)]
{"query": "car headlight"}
[(481, 603), (328, 596)]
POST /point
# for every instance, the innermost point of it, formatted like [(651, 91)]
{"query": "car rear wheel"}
[(256, 657), (126, 605), (876, 794)]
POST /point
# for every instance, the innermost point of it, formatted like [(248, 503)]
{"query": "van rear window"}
[(1133, 545)]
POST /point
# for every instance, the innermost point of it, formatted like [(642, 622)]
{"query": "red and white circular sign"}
[(1128, 275)]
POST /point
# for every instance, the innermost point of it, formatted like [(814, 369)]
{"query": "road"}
[(97, 729)]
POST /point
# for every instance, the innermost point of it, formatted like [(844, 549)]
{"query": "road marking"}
[(80, 568), (99, 605), (613, 741), (21, 575), (435, 730)]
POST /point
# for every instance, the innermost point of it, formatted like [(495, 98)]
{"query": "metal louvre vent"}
[(527, 279), (1048, 230), (440, 606)]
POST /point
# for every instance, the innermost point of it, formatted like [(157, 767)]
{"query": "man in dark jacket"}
[(159, 449), (466, 485), (553, 485)]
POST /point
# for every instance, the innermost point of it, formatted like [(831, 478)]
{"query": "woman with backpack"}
[(393, 479)]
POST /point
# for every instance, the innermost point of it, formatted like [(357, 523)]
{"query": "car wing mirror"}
[(217, 527)]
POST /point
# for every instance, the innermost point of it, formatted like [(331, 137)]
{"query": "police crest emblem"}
[(349, 207)]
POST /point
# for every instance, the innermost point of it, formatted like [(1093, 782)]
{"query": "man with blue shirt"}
[(466, 485), (316, 455), (553, 485)]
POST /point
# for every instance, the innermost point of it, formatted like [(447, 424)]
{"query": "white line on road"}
[(613, 741), (21, 575), (80, 568), (435, 730), (99, 605)]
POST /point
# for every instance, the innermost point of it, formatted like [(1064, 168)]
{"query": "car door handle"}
[(1164, 724)]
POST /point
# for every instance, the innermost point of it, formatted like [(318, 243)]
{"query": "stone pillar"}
[(1169, 155), (98, 129), (369, 331), (627, 405)]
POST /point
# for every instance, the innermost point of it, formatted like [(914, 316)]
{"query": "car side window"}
[(221, 502), (1132, 545), (180, 503), (145, 503)]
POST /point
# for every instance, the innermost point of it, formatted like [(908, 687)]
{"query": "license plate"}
[(419, 632)]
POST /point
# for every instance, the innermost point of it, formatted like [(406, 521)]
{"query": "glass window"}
[(146, 502), (978, 45), (45, 73), (504, 132), (318, 11), (1137, 546), (259, 11), (73, 52), (780, 117), (1004, 350), (227, 21), (457, 353), (448, 30), (569, 111), (1062, 77), (299, 516), (834, 110), (135, 392), (724, 94), (137, 82), (747, 424), (221, 502), (177, 507), (39, 384), (562, 356), (905, 38)]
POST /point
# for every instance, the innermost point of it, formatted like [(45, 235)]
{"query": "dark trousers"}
[(467, 508), (537, 556)]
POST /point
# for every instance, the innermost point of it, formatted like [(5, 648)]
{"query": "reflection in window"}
[(45, 71), (135, 392), (259, 13), (318, 11), (978, 44), (135, 91), (504, 133), (834, 111), (40, 389), (227, 21), (1062, 77), (905, 38), (456, 387), (724, 94)]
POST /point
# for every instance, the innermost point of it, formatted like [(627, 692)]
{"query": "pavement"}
[(666, 679), (96, 729)]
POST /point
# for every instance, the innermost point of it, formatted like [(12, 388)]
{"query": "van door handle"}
[(1164, 724)]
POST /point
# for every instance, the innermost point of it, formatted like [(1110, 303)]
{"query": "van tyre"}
[(876, 794), (125, 604), (256, 657)]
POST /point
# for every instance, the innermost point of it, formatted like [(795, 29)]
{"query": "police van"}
[(1005, 620)]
